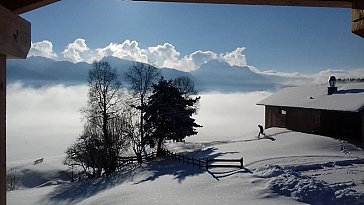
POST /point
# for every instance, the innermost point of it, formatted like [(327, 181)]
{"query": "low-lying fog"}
[(43, 122)]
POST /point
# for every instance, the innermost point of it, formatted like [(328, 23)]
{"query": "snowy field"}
[(285, 167)]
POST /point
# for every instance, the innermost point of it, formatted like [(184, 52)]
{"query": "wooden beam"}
[(14, 34), (358, 18), (31, 5), (2, 129), (310, 3)]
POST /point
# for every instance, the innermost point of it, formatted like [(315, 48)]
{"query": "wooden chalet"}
[(319, 110)]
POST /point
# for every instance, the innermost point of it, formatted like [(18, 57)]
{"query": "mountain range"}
[(211, 76)]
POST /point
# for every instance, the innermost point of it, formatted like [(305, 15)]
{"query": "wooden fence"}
[(202, 163), (207, 163), (123, 161)]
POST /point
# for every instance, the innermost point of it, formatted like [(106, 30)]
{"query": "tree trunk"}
[(139, 158), (106, 142), (160, 151), (142, 121)]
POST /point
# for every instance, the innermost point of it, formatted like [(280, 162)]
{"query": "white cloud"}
[(236, 57), (42, 48), (323, 76), (164, 55), (299, 79), (128, 50), (197, 58), (76, 51)]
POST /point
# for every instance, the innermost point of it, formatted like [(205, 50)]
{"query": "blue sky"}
[(287, 39)]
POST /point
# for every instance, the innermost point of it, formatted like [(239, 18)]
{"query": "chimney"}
[(332, 85)]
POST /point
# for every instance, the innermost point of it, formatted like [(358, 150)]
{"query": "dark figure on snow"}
[(261, 131)]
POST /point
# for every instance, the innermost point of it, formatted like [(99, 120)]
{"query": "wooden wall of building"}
[(303, 120), (274, 118), (342, 125)]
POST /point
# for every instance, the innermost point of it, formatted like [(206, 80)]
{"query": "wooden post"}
[(2, 129), (242, 163), (14, 43), (207, 163), (358, 18)]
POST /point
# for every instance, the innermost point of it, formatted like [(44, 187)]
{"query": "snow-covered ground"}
[(285, 167)]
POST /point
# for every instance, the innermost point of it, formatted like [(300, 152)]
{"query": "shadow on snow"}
[(177, 168), (72, 193)]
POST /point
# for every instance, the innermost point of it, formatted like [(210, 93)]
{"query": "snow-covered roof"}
[(349, 97)]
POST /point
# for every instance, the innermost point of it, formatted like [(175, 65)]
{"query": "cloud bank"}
[(165, 55), (45, 121), (42, 121), (43, 48)]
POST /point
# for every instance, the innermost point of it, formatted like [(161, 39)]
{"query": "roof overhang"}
[(311, 3), (22, 6)]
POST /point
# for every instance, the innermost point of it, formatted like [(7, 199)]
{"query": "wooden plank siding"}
[(344, 125), (338, 124), (274, 118), (303, 120)]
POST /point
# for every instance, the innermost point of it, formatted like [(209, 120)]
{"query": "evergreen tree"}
[(169, 114)]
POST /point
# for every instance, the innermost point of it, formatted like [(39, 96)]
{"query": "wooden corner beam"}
[(2, 129), (358, 18), (14, 43), (14, 34)]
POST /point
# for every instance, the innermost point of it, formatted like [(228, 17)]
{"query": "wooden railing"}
[(133, 159), (202, 163), (232, 163), (207, 163)]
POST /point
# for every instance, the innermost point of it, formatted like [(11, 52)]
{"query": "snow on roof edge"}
[(348, 98)]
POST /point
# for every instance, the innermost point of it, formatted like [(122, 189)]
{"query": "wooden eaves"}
[(15, 37)]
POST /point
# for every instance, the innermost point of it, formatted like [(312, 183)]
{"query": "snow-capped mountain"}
[(212, 76)]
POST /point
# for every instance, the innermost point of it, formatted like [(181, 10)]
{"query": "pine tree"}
[(169, 114)]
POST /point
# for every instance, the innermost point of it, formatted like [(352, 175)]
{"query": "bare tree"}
[(185, 85), (103, 137), (141, 78), (88, 152)]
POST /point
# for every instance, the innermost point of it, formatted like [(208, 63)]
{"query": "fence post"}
[(242, 163), (207, 163)]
